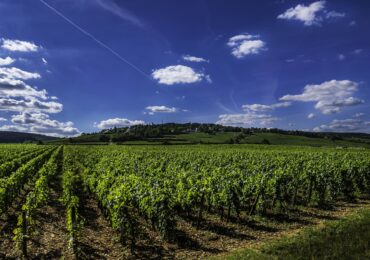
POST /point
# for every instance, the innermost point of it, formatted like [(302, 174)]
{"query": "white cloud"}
[(194, 59), (118, 122), (29, 105), (17, 96), (255, 114), (13, 128), (312, 14), (306, 14), (334, 14), (246, 44), (246, 119), (119, 11), (42, 124), (357, 115), (6, 61), (178, 74), (264, 108), (357, 51), (311, 115), (344, 125), (330, 96), (341, 57), (2, 119), (17, 88), (33, 105), (17, 45), (15, 73), (160, 109)]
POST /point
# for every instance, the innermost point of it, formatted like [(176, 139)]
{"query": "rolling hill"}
[(196, 133), (19, 137)]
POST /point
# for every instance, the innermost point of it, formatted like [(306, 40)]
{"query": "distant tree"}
[(104, 138)]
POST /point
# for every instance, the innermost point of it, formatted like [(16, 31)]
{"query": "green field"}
[(174, 201), (227, 138), (348, 238)]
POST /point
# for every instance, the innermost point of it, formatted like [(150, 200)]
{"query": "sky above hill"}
[(73, 66)]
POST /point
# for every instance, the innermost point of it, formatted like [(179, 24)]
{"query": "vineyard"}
[(165, 201)]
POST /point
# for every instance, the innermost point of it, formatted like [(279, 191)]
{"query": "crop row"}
[(159, 184)]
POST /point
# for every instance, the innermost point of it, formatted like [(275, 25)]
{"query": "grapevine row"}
[(35, 199), (12, 185), (159, 184)]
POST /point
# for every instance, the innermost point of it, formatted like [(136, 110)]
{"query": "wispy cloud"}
[(311, 116), (120, 11), (96, 40), (194, 59), (160, 109)]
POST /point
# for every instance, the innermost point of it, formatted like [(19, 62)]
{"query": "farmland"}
[(169, 201)]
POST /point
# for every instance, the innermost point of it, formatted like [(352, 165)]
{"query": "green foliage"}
[(160, 182), (11, 186), (35, 199)]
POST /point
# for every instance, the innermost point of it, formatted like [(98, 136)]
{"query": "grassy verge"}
[(348, 238)]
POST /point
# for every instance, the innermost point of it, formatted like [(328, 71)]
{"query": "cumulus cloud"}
[(264, 108), (2, 119), (312, 14), (13, 128), (160, 109), (344, 125), (15, 73), (17, 96), (246, 119), (6, 61), (17, 45), (330, 96), (246, 44), (117, 122), (30, 105), (311, 115), (178, 74), (255, 114), (17, 88), (42, 124), (194, 59)]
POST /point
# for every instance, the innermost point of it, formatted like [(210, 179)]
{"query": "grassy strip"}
[(348, 238)]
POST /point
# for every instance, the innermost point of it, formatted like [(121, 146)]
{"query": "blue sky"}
[(72, 66)]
